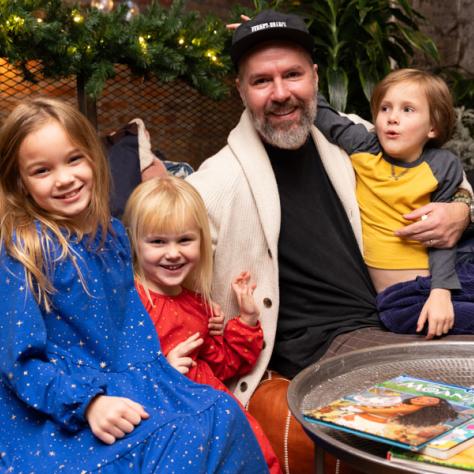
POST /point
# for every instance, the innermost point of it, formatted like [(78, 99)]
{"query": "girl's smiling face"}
[(167, 259), (55, 173)]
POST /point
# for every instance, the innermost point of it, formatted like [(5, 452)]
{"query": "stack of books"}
[(425, 421)]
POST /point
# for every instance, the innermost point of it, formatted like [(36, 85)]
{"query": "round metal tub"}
[(321, 383)]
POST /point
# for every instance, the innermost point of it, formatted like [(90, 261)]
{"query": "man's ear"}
[(315, 71), (238, 84)]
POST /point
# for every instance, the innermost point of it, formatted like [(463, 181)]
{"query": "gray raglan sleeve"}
[(448, 171), (342, 131)]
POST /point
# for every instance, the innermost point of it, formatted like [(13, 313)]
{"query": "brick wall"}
[(451, 25)]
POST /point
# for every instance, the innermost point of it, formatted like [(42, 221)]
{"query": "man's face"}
[(278, 84)]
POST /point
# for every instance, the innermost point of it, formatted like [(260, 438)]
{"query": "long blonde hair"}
[(170, 205), (20, 216)]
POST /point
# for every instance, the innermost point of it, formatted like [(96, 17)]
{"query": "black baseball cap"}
[(266, 26)]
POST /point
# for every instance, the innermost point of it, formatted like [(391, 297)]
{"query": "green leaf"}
[(338, 88)]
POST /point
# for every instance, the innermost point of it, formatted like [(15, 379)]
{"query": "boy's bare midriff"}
[(383, 278)]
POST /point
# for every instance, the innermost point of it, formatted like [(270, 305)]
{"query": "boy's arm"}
[(447, 170), (342, 131)]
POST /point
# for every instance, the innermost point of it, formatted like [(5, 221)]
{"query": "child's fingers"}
[(189, 345), (136, 408), (104, 436), (421, 321), (126, 426), (185, 364)]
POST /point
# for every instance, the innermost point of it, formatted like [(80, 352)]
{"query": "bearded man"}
[(281, 202)]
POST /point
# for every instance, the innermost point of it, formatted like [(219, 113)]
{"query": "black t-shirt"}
[(325, 289)]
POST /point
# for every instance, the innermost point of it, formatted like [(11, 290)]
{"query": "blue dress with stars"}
[(100, 340)]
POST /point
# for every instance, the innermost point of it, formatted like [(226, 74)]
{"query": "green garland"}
[(70, 39)]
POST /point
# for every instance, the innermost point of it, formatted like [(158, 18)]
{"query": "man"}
[(282, 205)]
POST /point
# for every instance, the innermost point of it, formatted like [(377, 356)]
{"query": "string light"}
[(143, 44), (103, 5), (15, 21), (77, 17)]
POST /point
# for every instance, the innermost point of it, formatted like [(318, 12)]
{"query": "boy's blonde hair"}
[(26, 230), (440, 101), (170, 205)]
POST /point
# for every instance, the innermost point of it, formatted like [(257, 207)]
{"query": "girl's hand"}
[(111, 418), (178, 356), (243, 290), (438, 311), (216, 321)]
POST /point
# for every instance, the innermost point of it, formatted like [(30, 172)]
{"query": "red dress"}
[(219, 357)]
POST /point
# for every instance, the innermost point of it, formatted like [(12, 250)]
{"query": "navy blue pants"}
[(400, 305)]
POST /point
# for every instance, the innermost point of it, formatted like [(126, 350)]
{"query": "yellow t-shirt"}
[(385, 192)]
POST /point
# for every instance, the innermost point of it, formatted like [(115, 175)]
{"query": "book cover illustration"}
[(463, 460), (459, 439), (404, 411)]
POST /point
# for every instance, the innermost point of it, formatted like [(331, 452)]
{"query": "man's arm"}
[(440, 224)]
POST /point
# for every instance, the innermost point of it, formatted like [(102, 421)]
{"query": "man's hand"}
[(243, 290), (216, 321), (111, 418), (178, 356), (442, 227), (439, 312)]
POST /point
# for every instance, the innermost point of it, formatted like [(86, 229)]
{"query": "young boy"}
[(398, 169)]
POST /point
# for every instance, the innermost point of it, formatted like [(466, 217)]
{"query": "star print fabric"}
[(100, 340)]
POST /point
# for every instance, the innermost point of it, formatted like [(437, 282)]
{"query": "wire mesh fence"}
[(183, 124)]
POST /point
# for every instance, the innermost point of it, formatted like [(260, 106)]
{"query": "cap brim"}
[(246, 44)]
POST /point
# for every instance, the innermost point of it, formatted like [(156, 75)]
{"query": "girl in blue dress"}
[(84, 386)]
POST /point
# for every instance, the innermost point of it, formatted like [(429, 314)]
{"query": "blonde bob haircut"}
[(170, 205), (440, 101), (26, 230)]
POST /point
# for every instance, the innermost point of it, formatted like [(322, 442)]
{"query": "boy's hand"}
[(178, 356), (111, 418), (439, 312), (243, 290), (216, 321), (234, 26)]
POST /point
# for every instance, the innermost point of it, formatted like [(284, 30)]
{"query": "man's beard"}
[(291, 134)]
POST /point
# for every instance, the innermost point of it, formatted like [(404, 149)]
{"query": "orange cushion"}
[(293, 447)]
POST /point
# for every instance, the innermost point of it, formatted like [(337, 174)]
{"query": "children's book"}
[(463, 460), (457, 440), (406, 412)]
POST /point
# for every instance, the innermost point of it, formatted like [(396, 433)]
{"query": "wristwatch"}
[(463, 195)]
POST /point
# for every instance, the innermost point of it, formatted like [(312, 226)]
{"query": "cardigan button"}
[(243, 386), (267, 302)]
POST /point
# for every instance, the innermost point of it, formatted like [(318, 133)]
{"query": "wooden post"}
[(86, 105)]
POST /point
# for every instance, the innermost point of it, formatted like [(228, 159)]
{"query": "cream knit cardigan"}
[(241, 195)]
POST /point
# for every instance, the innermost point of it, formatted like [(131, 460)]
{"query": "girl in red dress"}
[(171, 243)]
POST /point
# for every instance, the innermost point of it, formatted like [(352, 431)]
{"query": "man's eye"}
[(260, 81), (293, 74)]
